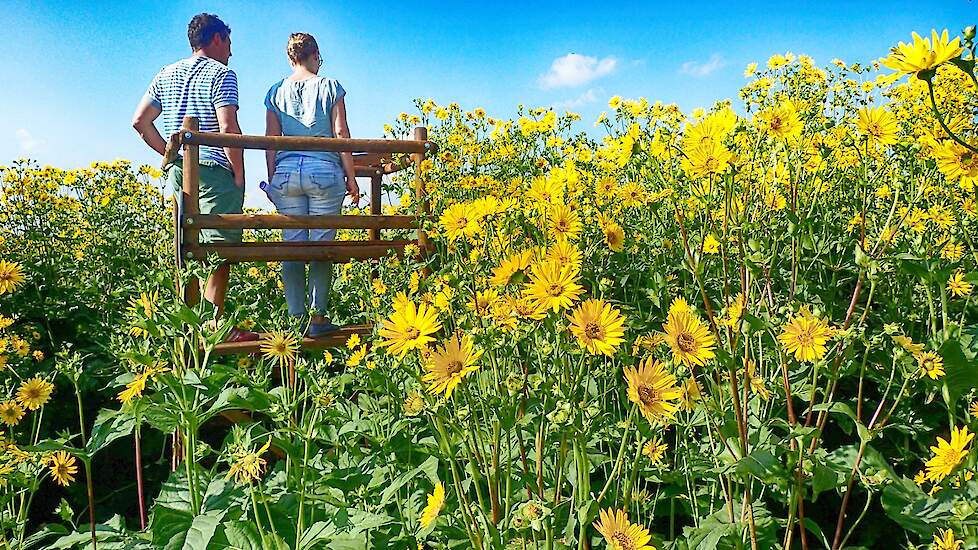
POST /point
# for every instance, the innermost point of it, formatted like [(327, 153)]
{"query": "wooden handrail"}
[(302, 251), (297, 143), (280, 221)]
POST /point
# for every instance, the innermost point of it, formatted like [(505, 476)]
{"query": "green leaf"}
[(241, 535), (841, 408), (109, 426), (961, 375), (169, 527), (763, 465), (912, 509), (202, 530)]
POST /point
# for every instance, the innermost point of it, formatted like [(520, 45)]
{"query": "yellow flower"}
[(34, 393), (413, 404), (409, 328), (247, 466), (945, 540), (947, 455), (907, 344), (614, 236), (877, 124), (353, 341), (564, 222), (653, 389), (11, 276), (710, 158), (356, 357), (565, 253), (805, 336), (281, 346), (597, 326), (63, 468), (11, 412), (553, 285), (710, 244), (458, 220), (451, 363), (974, 409), (654, 450), (782, 121), (931, 365), (690, 340), (512, 268), (923, 54), (621, 534), (436, 500), (957, 286), (133, 389)]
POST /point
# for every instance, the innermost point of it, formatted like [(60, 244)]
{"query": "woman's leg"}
[(282, 195), (326, 189)]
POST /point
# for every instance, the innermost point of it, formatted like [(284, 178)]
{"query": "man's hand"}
[(353, 189)]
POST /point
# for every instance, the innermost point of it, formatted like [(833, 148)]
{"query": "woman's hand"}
[(353, 189)]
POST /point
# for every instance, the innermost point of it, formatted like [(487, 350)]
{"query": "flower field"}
[(746, 326)]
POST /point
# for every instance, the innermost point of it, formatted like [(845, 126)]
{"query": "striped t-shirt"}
[(196, 86)]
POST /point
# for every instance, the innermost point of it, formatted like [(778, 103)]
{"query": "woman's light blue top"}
[(303, 108)]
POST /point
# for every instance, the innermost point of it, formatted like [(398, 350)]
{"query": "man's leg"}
[(217, 288)]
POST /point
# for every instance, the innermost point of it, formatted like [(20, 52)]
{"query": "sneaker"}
[(238, 335), (321, 329)]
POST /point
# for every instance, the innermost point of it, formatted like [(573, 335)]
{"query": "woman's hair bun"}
[(301, 46)]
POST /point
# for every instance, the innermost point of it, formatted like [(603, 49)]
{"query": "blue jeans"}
[(303, 185)]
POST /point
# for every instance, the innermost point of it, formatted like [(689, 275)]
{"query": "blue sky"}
[(73, 73)]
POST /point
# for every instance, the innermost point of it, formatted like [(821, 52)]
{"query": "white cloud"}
[(589, 96), (576, 70), (26, 141), (699, 70)]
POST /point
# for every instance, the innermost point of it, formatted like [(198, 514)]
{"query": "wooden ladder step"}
[(332, 340)]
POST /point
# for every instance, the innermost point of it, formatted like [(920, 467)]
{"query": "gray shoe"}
[(317, 330)]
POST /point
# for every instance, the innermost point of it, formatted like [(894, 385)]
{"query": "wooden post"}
[(375, 198), (191, 204), (420, 194)]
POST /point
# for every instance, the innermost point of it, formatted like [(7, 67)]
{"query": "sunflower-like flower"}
[(923, 55), (11, 276), (11, 412), (436, 500), (710, 158), (805, 336), (564, 222), (653, 389), (690, 340), (957, 286), (944, 539), (512, 268), (408, 328), (248, 466), (782, 121), (948, 454), (281, 346), (878, 125), (459, 220), (621, 534), (931, 364), (63, 468), (654, 450), (34, 393), (614, 236), (451, 363), (597, 326), (553, 285)]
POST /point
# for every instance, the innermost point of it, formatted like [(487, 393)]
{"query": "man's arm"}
[(272, 128), (142, 122), (227, 120)]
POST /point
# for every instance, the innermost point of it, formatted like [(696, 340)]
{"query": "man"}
[(202, 86)]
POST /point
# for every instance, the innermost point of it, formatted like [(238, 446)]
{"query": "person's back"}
[(304, 108), (196, 86)]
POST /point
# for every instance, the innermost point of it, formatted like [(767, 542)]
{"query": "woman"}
[(308, 182)]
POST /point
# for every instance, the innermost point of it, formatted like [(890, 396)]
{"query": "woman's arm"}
[(341, 129), (272, 128)]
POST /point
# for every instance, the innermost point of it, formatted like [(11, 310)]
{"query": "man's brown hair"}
[(202, 29)]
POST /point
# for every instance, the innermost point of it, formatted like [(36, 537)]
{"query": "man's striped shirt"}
[(196, 86)]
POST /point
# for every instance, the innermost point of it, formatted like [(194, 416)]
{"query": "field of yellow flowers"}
[(746, 326)]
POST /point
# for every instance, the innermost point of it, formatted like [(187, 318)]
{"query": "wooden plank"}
[(298, 143), (280, 221), (190, 236), (304, 251), (332, 340), (420, 194)]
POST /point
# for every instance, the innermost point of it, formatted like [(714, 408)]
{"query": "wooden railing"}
[(373, 158)]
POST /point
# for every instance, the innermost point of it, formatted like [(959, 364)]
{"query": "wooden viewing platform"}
[(373, 158)]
